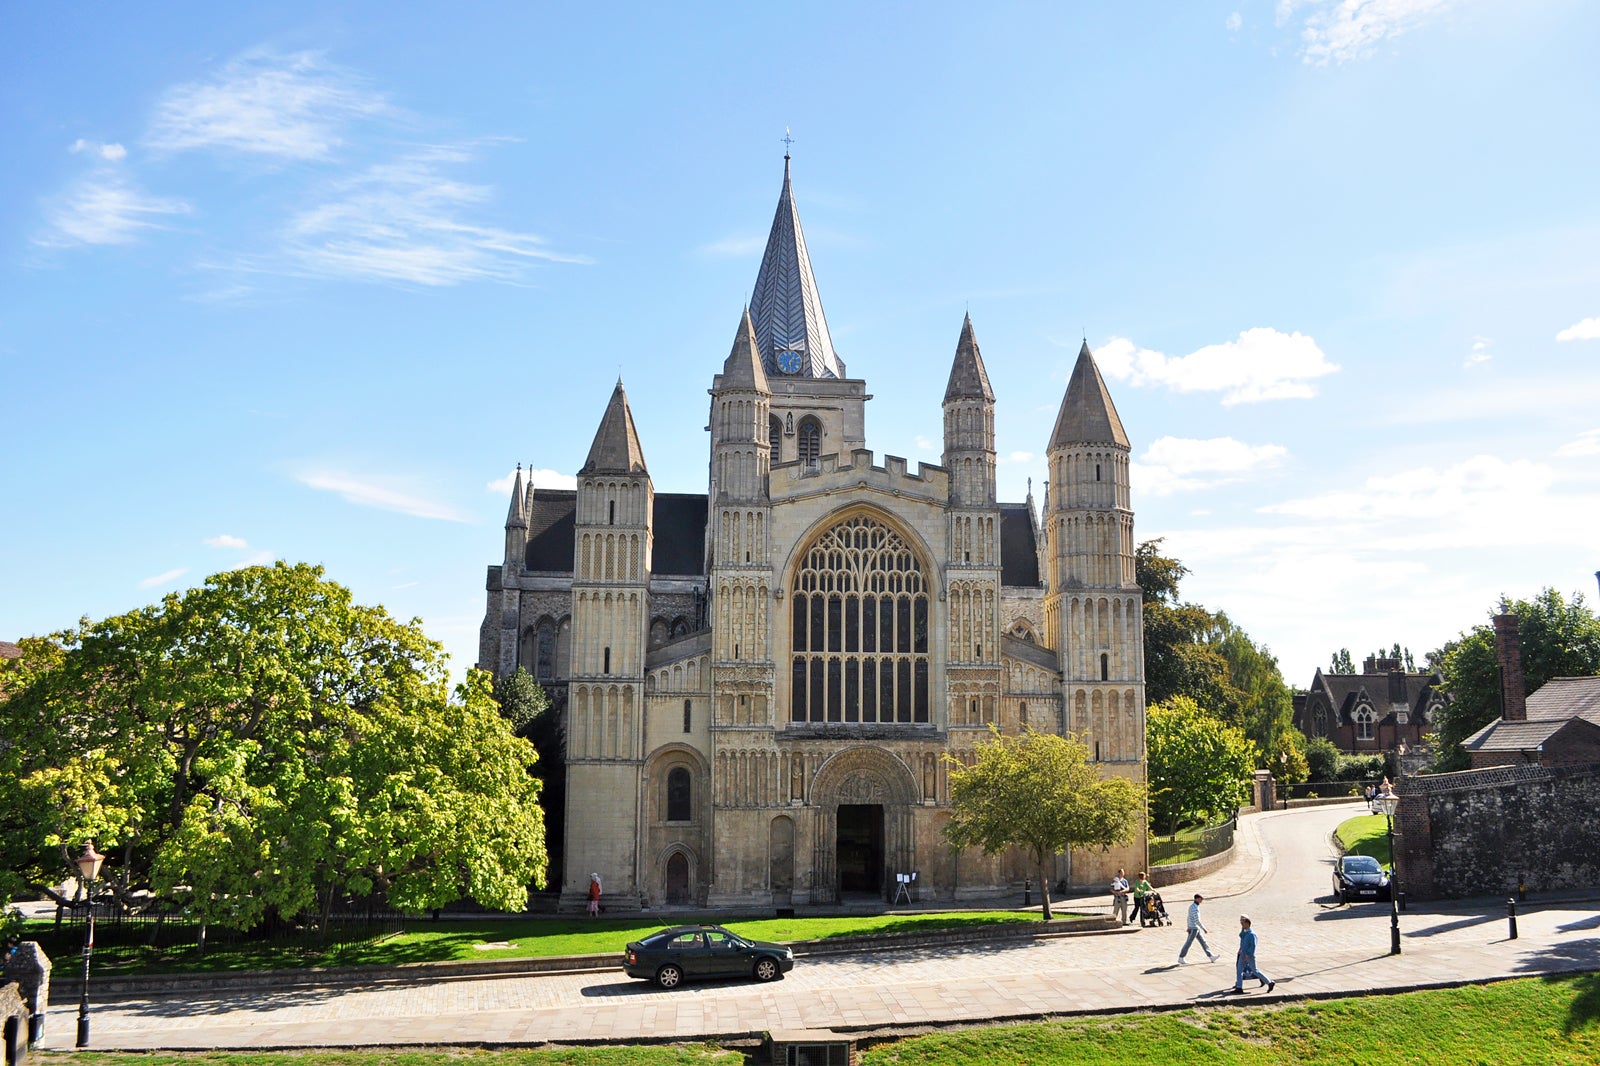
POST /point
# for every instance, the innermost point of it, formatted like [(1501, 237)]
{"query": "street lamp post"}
[(88, 871), (1391, 804)]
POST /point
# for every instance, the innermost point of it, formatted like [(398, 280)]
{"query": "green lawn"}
[(426, 941), (1528, 1022), (1366, 834)]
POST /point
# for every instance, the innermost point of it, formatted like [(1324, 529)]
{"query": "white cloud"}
[(1587, 330), (1586, 444), (1175, 464), (1234, 21), (407, 221), (1263, 364), (162, 579), (924, 444), (111, 153), (1020, 457), (1480, 353), (106, 209), (226, 540), (382, 496), (542, 479), (283, 106), (1343, 31)]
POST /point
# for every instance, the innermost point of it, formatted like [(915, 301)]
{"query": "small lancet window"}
[(688, 715), (606, 666), (1105, 667), (611, 517)]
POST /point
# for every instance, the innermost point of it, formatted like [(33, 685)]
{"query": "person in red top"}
[(594, 895)]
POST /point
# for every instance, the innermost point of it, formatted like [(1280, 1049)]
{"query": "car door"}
[(688, 950), (727, 954)]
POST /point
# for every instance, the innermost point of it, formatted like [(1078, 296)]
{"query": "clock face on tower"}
[(789, 362)]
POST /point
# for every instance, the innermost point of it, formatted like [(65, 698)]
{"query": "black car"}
[(684, 952), (1359, 877)]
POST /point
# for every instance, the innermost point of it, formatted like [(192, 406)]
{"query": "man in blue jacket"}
[(1246, 966)]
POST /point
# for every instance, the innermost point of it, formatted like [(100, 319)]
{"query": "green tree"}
[(1341, 663), (1198, 765), (527, 706), (1322, 759), (1039, 792), (1558, 638), (263, 744)]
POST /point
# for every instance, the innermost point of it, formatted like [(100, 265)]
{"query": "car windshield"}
[(1362, 864)]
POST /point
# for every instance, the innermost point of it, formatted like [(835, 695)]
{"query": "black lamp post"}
[(1391, 804), (89, 872)]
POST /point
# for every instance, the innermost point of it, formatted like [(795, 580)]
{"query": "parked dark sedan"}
[(685, 952), (1359, 877)]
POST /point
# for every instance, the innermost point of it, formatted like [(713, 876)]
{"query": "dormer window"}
[(1364, 720)]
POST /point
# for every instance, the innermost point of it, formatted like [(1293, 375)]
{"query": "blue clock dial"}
[(789, 362)]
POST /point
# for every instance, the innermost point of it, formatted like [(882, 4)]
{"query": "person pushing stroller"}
[(1147, 903)]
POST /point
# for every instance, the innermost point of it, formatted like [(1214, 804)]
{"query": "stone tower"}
[(610, 618)]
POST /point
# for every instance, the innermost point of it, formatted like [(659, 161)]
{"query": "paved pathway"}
[(1280, 877)]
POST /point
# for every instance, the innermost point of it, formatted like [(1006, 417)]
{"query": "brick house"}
[(1373, 711)]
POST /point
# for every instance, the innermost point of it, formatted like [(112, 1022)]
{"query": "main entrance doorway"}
[(861, 848)]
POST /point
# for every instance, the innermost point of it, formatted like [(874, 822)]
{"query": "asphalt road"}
[(1281, 877)]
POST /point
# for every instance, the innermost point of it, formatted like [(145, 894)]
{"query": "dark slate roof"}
[(1018, 648), (679, 526), (1566, 697), (1500, 735), (680, 534), (1019, 554), (1345, 692), (1087, 414)]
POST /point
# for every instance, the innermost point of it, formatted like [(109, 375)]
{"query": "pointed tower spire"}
[(616, 443), (968, 378), (785, 305), (1087, 414), (743, 368), (517, 515)]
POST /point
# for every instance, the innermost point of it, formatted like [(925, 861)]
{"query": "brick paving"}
[(1280, 876)]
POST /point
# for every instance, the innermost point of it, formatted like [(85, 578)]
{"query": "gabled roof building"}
[(1374, 711)]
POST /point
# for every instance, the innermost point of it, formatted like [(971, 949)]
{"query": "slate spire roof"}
[(785, 305), (517, 515), (968, 379), (616, 443), (743, 368), (1087, 414)]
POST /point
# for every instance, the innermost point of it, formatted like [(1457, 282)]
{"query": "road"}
[(1280, 877)]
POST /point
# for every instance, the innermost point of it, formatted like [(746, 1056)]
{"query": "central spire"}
[(791, 329)]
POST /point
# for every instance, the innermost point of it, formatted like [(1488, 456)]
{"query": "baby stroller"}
[(1152, 911)]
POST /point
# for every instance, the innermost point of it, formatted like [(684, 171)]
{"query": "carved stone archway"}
[(862, 777)]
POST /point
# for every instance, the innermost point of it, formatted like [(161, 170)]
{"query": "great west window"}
[(860, 628)]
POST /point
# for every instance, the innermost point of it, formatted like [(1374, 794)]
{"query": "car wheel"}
[(766, 969), (669, 976)]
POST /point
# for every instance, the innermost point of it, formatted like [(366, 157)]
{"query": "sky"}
[(306, 281)]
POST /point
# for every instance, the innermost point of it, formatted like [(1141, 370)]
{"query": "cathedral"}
[(760, 685)]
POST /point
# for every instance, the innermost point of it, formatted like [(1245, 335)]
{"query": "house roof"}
[(1380, 691), (1566, 697), (1501, 735)]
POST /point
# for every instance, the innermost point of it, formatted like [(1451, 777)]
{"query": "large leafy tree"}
[(524, 702), (1039, 792), (1199, 765), (262, 744), (1558, 637)]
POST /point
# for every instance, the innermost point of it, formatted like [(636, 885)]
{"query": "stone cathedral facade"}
[(760, 685)]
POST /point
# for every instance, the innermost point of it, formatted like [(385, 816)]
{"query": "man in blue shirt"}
[(1246, 966)]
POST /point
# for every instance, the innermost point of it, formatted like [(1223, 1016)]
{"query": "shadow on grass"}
[(1557, 963)]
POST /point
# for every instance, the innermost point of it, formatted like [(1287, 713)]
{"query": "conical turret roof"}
[(785, 304), (616, 443), (743, 370), (968, 379), (1087, 414), (517, 515)]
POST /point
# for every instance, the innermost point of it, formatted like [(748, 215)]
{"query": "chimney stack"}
[(1508, 650)]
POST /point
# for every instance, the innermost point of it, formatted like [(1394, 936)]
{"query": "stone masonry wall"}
[(1471, 833)]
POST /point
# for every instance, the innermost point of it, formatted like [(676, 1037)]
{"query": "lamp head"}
[(89, 862), (1390, 803)]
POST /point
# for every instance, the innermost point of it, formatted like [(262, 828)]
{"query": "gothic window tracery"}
[(859, 628), (1364, 719), (810, 441)]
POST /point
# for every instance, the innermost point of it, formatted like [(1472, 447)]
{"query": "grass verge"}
[(1366, 834), (1535, 1021)]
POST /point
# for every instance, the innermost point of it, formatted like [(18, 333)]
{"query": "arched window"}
[(679, 808), (860, 628), (1364, 719), (774, 436), (1319, 723), (688, 715), (810, 442), (1105, 667), (658, 632), (547, 651), (1022, 631)]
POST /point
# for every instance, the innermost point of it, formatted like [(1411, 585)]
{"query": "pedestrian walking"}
[(594, 895), (1246, 965), (1197, 931), (1119, 897)]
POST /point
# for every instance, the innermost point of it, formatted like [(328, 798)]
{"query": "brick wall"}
[(1471, 833)]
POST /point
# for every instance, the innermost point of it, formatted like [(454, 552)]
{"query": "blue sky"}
[(306, 281)]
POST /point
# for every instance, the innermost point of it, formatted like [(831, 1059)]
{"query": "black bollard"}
[(1511, 915), (1394, 927), (1027, 891)]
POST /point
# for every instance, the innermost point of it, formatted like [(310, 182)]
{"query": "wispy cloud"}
[(226, 540), (1019, 457), (1176, 464), (111, 153), (385, 497), (408, 221), (164, 578), (1586, 444), (105, 208), (1587, 330), (1263, 364), (293, 107), (1234, 21), (542, 479), (1344, 31), (1480, 353)]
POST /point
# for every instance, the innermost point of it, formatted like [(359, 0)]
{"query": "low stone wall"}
[(1178, 872), (1472, 833)]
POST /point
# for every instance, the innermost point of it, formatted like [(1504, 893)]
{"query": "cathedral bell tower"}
[(610, 624)]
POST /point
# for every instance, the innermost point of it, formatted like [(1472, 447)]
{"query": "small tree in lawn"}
[(1038, 792)]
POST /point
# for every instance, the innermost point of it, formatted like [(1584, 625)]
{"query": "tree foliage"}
[(1558, 638), (1342, 663), (1322, 759), (263, 744), (1040, 793), (526, 705), (1199, 765)]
